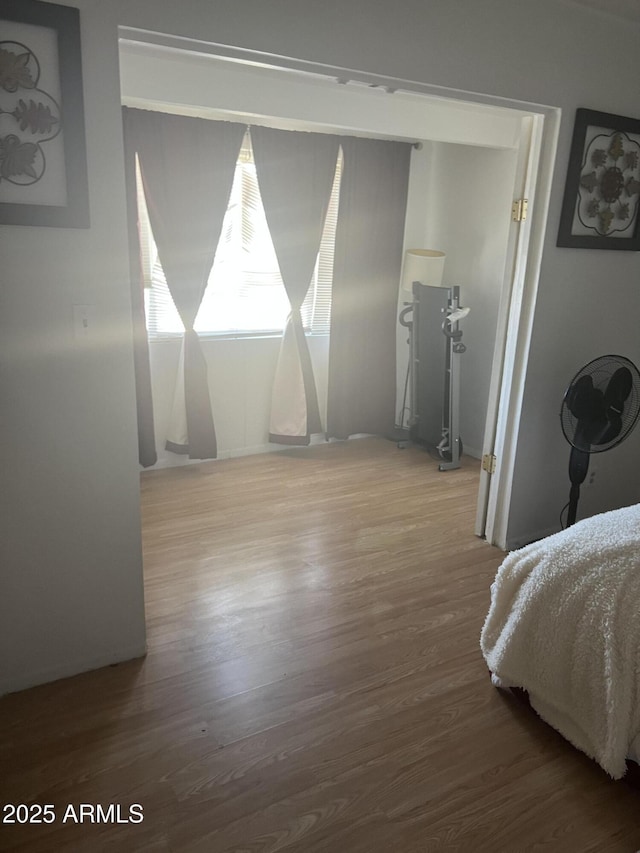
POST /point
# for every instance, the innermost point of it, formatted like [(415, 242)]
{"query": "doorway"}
[(219, 81)]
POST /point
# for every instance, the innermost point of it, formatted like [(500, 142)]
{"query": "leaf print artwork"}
[(17, 158), (35, 117), (14, 70), (29, 119), (43, 162)]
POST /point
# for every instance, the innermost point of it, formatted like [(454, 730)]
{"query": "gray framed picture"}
[(601, 202), (43, 166)]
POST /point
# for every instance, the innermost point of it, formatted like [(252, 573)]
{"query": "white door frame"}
[(492, 475), (536, 159), (510, 371)]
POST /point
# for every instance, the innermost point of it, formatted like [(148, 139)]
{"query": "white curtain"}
[(295, 174)]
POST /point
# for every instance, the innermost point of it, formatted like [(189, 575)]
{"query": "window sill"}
[(230, 336)]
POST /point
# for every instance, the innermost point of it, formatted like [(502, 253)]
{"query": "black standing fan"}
[(599, 410)]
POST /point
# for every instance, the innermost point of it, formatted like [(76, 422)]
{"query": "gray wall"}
[(71, 594), (72, 578), (470, 215)]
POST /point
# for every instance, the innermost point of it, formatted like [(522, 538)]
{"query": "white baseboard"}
[(166, 459)]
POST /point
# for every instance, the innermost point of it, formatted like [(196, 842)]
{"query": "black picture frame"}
[(43, 163), (601, 205)]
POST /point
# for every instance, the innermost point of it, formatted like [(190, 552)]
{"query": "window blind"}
[(245, 294)]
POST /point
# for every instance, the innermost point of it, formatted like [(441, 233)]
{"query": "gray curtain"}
[(295, 174), (368, 260), (187, 167), (147, 454)]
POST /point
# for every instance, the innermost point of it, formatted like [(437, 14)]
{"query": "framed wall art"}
[(602, 192), (43, 168)]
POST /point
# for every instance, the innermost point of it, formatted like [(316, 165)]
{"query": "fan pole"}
[(578, 467), (574, 496)]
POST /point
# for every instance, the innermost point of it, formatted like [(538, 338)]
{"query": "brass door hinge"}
[(519, 209), (489, 463)]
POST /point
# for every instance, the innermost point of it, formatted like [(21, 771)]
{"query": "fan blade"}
[(613, 430), (618, 389), (580, 398)]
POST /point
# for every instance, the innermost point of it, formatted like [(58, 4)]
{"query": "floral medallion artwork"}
[(610, 183), (43, 173), (602, 193)]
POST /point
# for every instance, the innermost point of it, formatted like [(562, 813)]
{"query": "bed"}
[(564, 626)]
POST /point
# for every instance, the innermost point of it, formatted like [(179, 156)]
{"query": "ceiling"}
[(628, 10)]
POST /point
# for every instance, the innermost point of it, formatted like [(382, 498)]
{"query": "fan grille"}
[(601, 370)]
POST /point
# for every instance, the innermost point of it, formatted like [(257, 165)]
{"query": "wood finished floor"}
[(313, 682)]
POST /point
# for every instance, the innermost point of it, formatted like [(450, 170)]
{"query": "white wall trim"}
[(301, 66), (167, 459), (519, 340)]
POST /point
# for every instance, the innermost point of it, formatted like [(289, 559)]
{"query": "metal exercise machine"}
[(435, 346)]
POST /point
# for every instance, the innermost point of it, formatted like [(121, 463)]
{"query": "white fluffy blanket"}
[(564, 624)]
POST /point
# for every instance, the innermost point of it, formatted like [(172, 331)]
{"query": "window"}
[(245, 294)]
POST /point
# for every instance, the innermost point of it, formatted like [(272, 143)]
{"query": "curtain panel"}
[(147, 454), (368, 261), (295, 173), (187, 167)]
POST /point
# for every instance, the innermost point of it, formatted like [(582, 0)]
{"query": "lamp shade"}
[(423, 265)]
